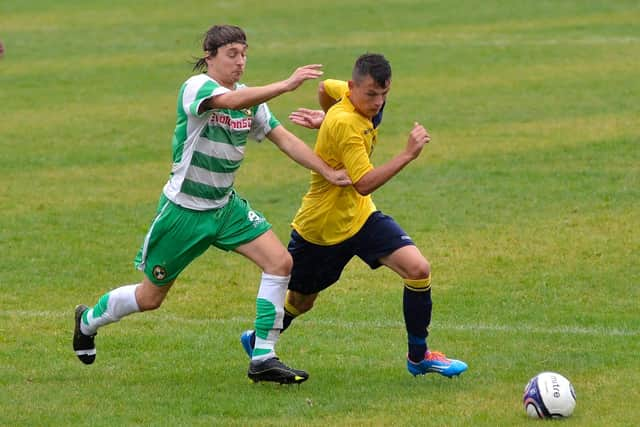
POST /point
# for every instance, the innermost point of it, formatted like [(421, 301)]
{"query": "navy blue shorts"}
[(317, 267)]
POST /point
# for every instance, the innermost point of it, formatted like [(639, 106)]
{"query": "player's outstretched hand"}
[(418, 137), (311, 119), (338, 177), (306, 72)]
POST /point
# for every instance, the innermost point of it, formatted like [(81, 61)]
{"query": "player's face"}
[(367, 96), (228, 65)]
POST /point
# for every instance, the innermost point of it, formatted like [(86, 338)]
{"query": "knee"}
[(150, 296), (282, 265), (148, 303), (419, 269)]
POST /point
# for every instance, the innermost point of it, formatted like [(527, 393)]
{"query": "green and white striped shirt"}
[(209, 148)]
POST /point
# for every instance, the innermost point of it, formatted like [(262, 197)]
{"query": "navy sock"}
[(417, 317), (417, 348)]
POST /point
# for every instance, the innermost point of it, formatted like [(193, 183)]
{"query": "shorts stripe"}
[(145, 245)]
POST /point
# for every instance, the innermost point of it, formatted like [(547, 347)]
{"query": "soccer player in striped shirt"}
[(334, 224), (200, 208)]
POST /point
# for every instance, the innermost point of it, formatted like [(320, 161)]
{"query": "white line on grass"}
[(246, 321), (480, 39), (518, 41)]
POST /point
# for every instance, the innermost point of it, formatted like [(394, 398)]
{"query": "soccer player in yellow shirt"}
[(334, 223)]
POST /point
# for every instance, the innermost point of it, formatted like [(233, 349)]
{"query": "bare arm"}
[(297, 150), (378, 176), (250, 96)]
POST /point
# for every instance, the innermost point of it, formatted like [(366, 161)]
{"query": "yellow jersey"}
[(330, 214), (336, 89)]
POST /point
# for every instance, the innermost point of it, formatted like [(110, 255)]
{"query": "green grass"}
[(526, 203)]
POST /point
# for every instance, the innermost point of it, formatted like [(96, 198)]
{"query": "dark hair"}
[(374, 65), (217, 36)]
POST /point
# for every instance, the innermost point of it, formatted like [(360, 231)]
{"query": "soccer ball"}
[(549, 395)]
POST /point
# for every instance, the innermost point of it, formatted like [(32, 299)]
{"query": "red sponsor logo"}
[(222, 119)]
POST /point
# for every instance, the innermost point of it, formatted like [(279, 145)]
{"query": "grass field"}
[(526, 202)]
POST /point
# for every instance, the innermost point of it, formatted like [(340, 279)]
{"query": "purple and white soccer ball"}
[(549, 395)]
